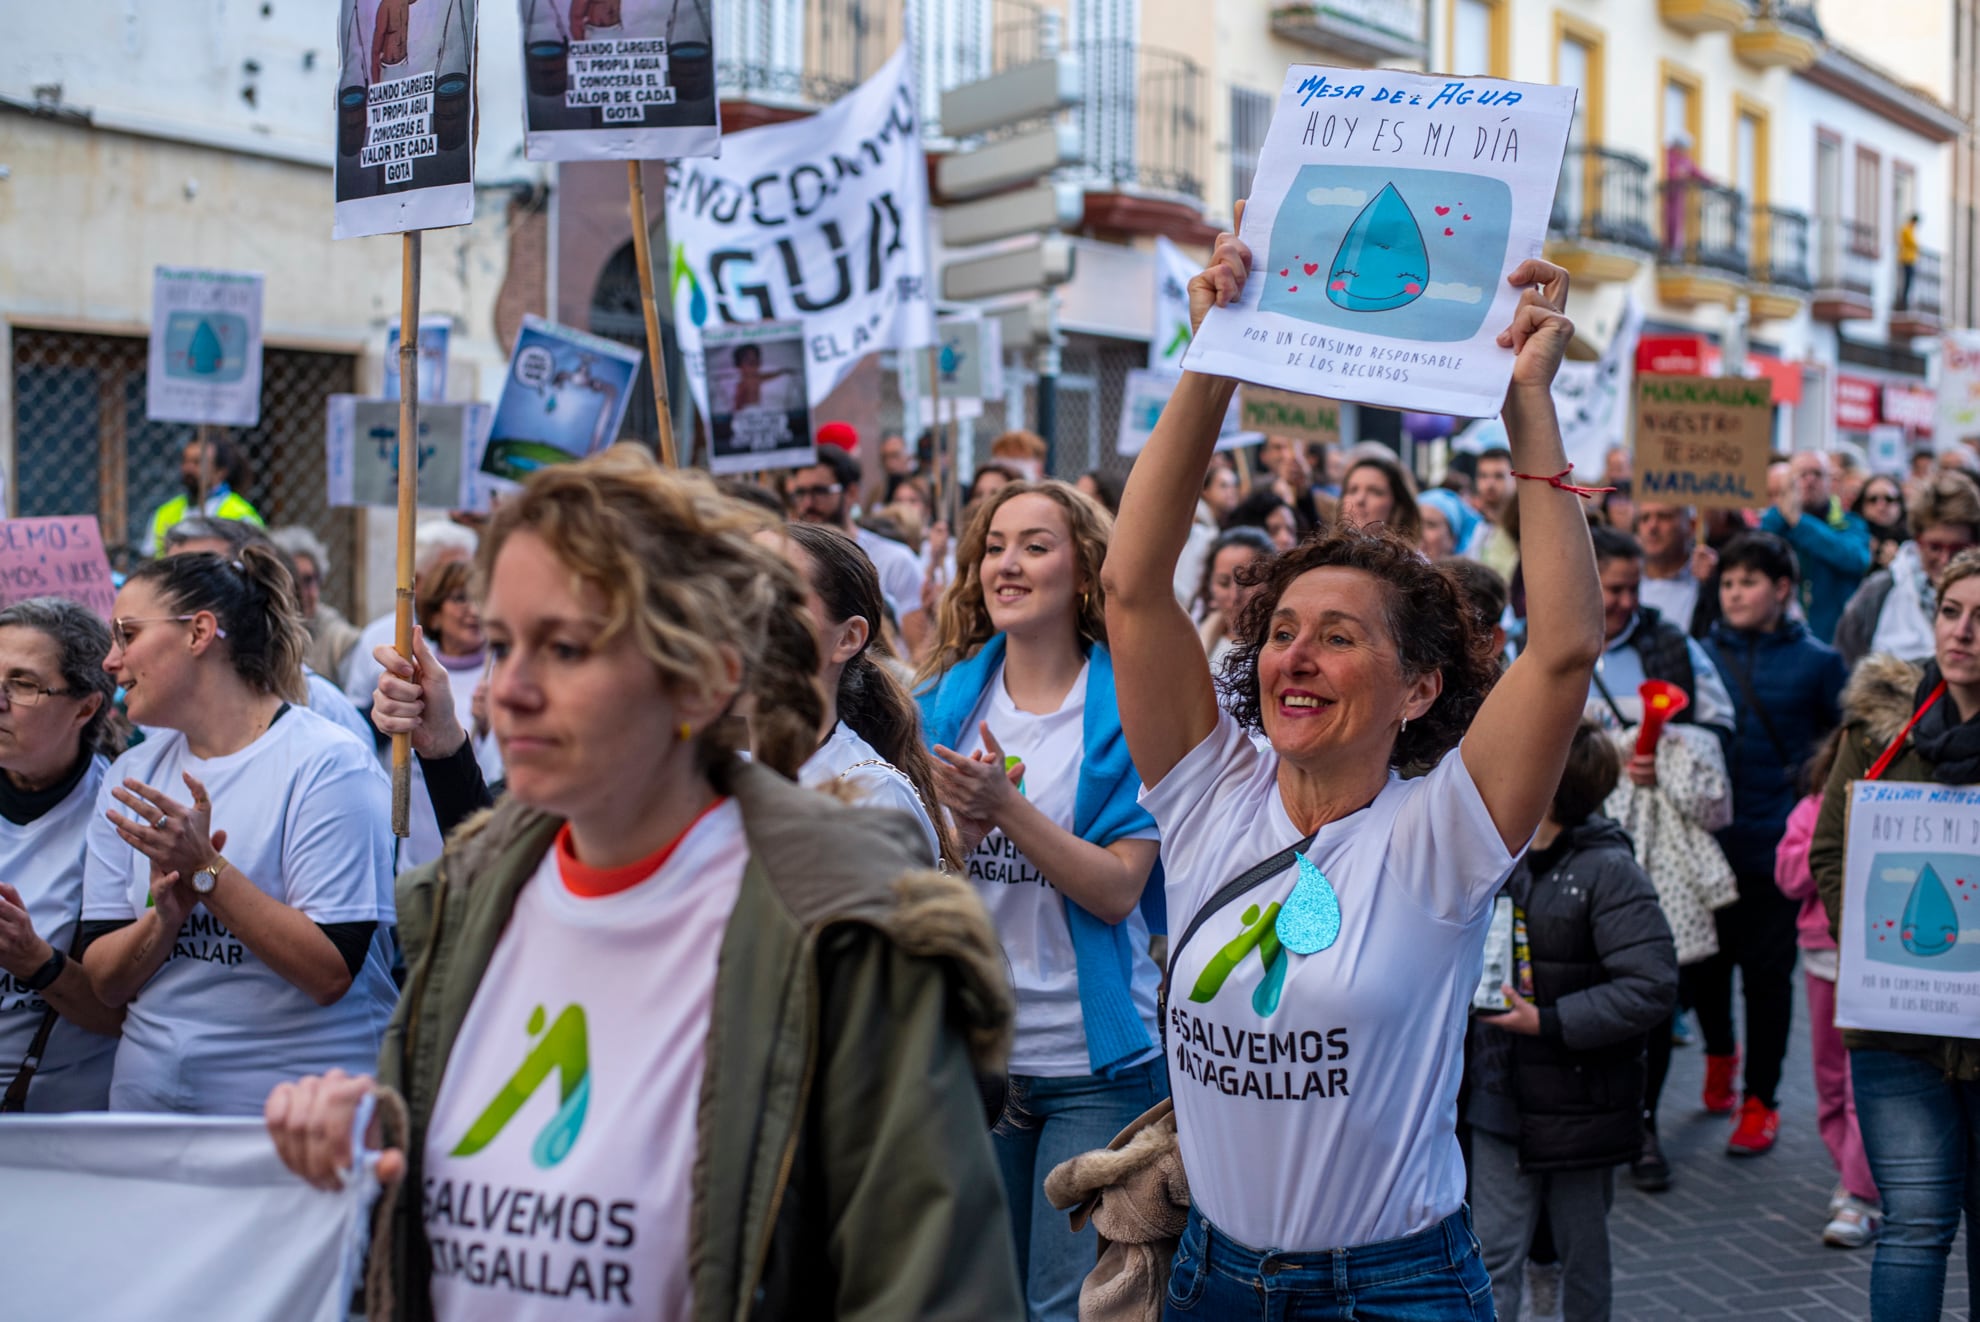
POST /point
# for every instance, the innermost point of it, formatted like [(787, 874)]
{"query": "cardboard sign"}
[(56, 557), (405, 109), (618, 80), (362, 448), (1386, 212), (1910, 945), (761, 412), (1703, 440), (1147, 394), (205, 353), (563, 398), (434, 332), (1282, 413)]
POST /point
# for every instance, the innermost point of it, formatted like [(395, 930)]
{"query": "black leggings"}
[(1756, 933)]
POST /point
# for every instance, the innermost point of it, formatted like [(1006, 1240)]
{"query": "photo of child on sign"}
[(1386, 211)]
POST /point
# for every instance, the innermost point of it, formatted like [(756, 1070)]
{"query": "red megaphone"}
[(1661, 701)]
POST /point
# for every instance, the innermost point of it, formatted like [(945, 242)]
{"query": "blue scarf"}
[(1106, 807)]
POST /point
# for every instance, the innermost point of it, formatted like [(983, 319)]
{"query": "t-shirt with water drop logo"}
[(559, 1157), (1316, 1094)]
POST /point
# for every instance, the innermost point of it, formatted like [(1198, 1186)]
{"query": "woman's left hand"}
[(1540, 330), (176, 837), (980, 786), (1523, 1018)]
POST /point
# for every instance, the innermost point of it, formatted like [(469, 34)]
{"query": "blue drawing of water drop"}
[(554, 1143), (205, 355), (1929, 926), (1382, 263), (1311, 918)]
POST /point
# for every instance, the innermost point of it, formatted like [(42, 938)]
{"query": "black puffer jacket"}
[(1604, 975)]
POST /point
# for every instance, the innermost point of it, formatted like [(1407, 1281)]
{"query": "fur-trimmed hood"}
[(1880, 695)]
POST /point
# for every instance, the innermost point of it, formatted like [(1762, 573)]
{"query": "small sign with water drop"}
[(204, 364)]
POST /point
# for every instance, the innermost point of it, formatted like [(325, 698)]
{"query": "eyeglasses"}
[(815, 493), (26, 693), (121, 632), (1880, 498)]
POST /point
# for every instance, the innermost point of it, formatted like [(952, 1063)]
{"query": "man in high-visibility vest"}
[(222, 501)]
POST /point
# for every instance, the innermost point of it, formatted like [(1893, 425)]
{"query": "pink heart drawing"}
[(1292, 289), (1467, 217), (1449, 231), (1443, 211), (1285, 271), (1311, 267)]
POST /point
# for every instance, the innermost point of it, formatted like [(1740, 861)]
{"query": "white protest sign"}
[(1387, 210), (205, 352), (1146, 394), (1959, 389), (618, 80), (1890, 453), (821, 221), (759, 411), (1910, 943), (563, 398), (434, 333), (362, 450), (267, 1244), (1173, 272), (405, 115)]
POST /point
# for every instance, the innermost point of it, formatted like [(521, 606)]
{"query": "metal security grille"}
[(82, 444)]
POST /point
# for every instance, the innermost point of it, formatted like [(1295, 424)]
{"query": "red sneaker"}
[(1758, 1126), (1720, 1071)]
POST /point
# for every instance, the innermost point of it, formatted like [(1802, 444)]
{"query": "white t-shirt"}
[(876, 782), (361, 672), (307, 813), (899, 569), (573, 1200), (1329, 1121), (423, 843), (1029, 911), (43, 860), (329, 702)]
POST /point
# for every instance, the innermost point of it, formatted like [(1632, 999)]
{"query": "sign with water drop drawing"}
[(1387, 210), (619, 80), (1910, 932), (205, 353)]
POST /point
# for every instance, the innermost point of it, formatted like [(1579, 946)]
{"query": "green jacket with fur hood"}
[(1877, 703), (843, 1168)]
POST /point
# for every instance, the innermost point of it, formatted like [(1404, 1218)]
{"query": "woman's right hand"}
[(310, 1121), (1220, 283), (415, 698)]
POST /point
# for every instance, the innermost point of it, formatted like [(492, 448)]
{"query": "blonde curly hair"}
[(674, 562)]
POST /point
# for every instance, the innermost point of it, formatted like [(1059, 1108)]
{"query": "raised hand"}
[(1540, 330), (1219, 284)]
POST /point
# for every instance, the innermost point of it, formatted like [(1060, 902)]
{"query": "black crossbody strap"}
[(16, 1098), (1745, 677), (1250, 879), (1609, 698)]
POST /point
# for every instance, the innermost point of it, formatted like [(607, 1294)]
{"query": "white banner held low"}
[(208, 1222), (1910, 938), (822, 221), (1387, 210)]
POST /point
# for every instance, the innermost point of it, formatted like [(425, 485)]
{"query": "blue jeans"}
[(1045, 1122), (1435, 1275), (1921, 1132)]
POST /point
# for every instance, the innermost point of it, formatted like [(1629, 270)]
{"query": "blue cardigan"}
[(1106, 807)]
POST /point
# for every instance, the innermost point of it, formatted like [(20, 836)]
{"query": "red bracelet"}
[(1557, 484)]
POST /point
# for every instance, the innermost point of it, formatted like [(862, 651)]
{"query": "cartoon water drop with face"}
[(1382, 263), (1930, 925)]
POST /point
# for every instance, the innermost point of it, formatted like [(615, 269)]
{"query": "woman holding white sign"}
[(1314, 1024), (1917, 1096)]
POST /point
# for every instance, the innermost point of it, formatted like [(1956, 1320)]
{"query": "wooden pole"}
[(203, 434), (408, 504), (656, 357), (944, 470)]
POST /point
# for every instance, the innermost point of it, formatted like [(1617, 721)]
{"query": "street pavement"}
[(1741, 1237)]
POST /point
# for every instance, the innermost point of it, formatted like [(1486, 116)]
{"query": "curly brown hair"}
[(1429, 619), (963, 620)]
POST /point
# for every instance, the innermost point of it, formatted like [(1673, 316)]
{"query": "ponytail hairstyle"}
[(963, 622), (871, 701), (254, 599)]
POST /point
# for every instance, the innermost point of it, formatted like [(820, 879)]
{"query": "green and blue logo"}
[(564, 1049)]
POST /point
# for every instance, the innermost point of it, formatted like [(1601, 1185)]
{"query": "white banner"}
[(822, 221), (1910, 936), (1959, 389), (205, 351), (153, 1216), (405, 116), (1173, 272), (1593, 399), (1388, 208), (628, 80)]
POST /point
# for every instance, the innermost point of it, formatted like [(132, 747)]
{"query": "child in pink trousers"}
[(1854, 1217)]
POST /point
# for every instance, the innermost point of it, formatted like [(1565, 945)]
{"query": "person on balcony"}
[(1680, 170), (1907, 258)]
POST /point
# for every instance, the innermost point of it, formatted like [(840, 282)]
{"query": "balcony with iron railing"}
[(1600, 227), (1845, 270), (1703, 243), (1781, 278), (1141, 122), (1379, 31), (1916, 311)]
